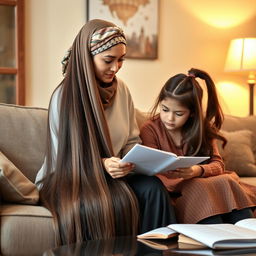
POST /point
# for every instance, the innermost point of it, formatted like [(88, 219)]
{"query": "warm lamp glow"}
[(221, 14), (241, 55), (242, 58), (235, 91)]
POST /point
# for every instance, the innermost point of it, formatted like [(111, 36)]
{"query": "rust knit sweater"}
[(217, 192)]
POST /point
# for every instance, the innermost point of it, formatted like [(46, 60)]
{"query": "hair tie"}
[(65, 61), (191, 75)]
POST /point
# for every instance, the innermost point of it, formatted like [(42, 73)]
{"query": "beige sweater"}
[(123, 128)]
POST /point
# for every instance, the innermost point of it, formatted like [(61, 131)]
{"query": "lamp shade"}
[(241, 55)]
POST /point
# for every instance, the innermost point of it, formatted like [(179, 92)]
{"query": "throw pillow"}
[(14, 186), (235, 123), (238, 153)]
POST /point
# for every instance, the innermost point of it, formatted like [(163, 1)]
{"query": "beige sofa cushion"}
[(238, 154), (242, 162), (14, 186), (23, 137), (25, 230), (234, 123)]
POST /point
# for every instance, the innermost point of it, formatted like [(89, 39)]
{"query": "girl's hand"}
[(116, 169), (187, 173)]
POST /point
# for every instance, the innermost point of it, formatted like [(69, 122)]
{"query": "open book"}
[(210, 252), (216, 236), (151, 161)]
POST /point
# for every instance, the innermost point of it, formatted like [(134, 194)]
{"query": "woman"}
[(91, 126), (205, 193)]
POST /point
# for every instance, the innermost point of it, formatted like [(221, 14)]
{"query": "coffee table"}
[(129, 246)]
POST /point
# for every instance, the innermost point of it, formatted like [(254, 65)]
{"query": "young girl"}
[(205, 193), (90, 194)]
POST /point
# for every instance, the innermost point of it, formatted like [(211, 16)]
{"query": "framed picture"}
[(137, 18)]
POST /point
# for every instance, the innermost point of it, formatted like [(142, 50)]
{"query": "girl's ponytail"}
[(213, 111)]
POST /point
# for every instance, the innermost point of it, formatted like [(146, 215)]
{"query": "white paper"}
[(150, 161), (218, 236)]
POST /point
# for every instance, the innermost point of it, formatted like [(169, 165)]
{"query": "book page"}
[(249, 223), (187, 161), (185, 240), (158, 233), (196, 252), (218, 235), (231, 252), (148, 161)]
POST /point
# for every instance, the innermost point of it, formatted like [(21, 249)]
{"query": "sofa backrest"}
[(23, 137), (23, 134), (234, 123), (231, 123), (141, 117)]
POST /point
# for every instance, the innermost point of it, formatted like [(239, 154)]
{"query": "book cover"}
[(160, 244)]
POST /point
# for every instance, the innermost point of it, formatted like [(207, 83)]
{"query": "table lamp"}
[(241, 58)]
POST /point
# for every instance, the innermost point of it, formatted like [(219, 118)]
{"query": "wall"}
[(193, 33), (51, 26)]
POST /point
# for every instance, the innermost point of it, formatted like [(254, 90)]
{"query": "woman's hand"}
[(115, 168), (187, 173)]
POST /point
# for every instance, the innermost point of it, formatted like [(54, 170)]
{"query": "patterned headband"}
[(101, 40), (105, 38)]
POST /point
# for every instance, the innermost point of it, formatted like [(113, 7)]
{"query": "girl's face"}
[(107, 63), (173, 114)]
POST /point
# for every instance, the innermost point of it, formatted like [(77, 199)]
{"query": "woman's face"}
[(107, 63)]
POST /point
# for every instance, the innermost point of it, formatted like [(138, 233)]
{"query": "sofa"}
[(26, 227)]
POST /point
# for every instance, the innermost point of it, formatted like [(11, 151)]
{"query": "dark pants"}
[(154, 202), (231, 217)]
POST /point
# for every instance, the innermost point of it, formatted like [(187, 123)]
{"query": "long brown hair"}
[(199, 130), (85, 201)]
